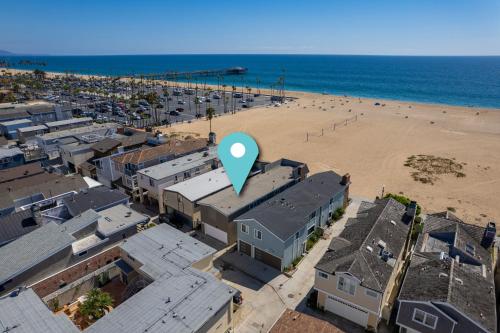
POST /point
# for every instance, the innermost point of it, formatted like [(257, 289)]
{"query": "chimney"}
[(346, 179), (489, 235)]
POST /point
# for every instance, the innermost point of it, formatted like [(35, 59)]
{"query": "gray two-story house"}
[(276, 231), (449, 286)]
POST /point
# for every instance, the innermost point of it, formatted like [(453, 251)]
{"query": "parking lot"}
[(122, 102)]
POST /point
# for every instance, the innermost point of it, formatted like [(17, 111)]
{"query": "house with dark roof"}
[(220, 209), (361, 268), (449, 285), (276, 231), (96, 198), (11, 157)]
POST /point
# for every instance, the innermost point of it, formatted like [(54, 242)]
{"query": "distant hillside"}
[(5, 53)]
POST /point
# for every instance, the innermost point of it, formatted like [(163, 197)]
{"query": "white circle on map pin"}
[(237, 150)]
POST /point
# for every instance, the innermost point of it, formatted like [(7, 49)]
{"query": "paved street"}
[(267, 294)]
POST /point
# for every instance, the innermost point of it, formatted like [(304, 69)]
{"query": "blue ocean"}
[(464, 81)]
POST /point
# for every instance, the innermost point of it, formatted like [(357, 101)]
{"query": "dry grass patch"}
[(429, 168)]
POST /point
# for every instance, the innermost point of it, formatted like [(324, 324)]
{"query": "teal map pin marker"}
[(238, 152)]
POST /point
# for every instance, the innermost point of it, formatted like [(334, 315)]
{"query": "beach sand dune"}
[(374, 149)]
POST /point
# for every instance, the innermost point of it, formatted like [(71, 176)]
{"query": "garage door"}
[(245, 248), (268, 259), (346, 310), (215, 233)]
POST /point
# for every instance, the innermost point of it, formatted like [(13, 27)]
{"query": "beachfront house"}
[(359, 272), (180, 201), (449, 286), (276, 231), (153, 180), (219, 210)]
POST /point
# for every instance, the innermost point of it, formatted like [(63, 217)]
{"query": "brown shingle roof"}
[(296, 322), (174, 146), (21, 171)]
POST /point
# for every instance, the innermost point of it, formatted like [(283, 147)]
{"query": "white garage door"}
[(346, 310), (215, 233)]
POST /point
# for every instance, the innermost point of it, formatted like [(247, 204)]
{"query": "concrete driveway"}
[(266, 296)]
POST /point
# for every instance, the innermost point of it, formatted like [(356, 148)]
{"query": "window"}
[(81, 254), (425, 318), (346, 285), (151, 182), (297, 235), (323, 275), (371, 293), (313, 215), (311, 230), (244, 228), (258, 234)]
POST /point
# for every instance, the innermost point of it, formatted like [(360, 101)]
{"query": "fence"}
[(334, 126)]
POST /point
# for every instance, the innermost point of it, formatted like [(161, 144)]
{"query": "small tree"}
[(210, 114), (96, 304)]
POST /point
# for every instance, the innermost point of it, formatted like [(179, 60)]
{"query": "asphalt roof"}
[(228, 202), (350, 251), (201, 186), (26, 313), (106, 145), (8, 152), (180, 164), (434, 276), (15, 122), (68, 122), (173, 146), (96, 198), (78, 131), (289, 211), (16, 225), (181, 299), (40, 244), (117, 218), (48, 184), (21, 171)]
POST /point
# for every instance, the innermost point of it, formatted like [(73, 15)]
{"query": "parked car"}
[(179, 109), (181, 102), (174, 113)]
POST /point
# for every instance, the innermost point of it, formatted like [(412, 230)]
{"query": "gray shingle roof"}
[(96, 198), (16, 225), (288, 212), (349, 252), (26, 313), (436, 277)]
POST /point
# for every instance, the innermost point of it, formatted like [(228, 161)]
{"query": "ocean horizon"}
[(472, 81)]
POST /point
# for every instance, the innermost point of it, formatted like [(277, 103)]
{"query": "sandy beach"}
[(375, 147), (373, 143)]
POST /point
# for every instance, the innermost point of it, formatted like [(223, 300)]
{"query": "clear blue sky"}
[(405, 27)]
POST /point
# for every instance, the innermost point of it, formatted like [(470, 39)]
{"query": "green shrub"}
[(338, 213), (296, 261), (403, 200)]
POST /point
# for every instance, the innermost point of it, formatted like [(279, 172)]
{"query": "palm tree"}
[(96, 304), (232, 96), (152, 99), (210, 114)]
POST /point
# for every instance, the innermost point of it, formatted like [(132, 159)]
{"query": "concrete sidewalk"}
[(266, 291)]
